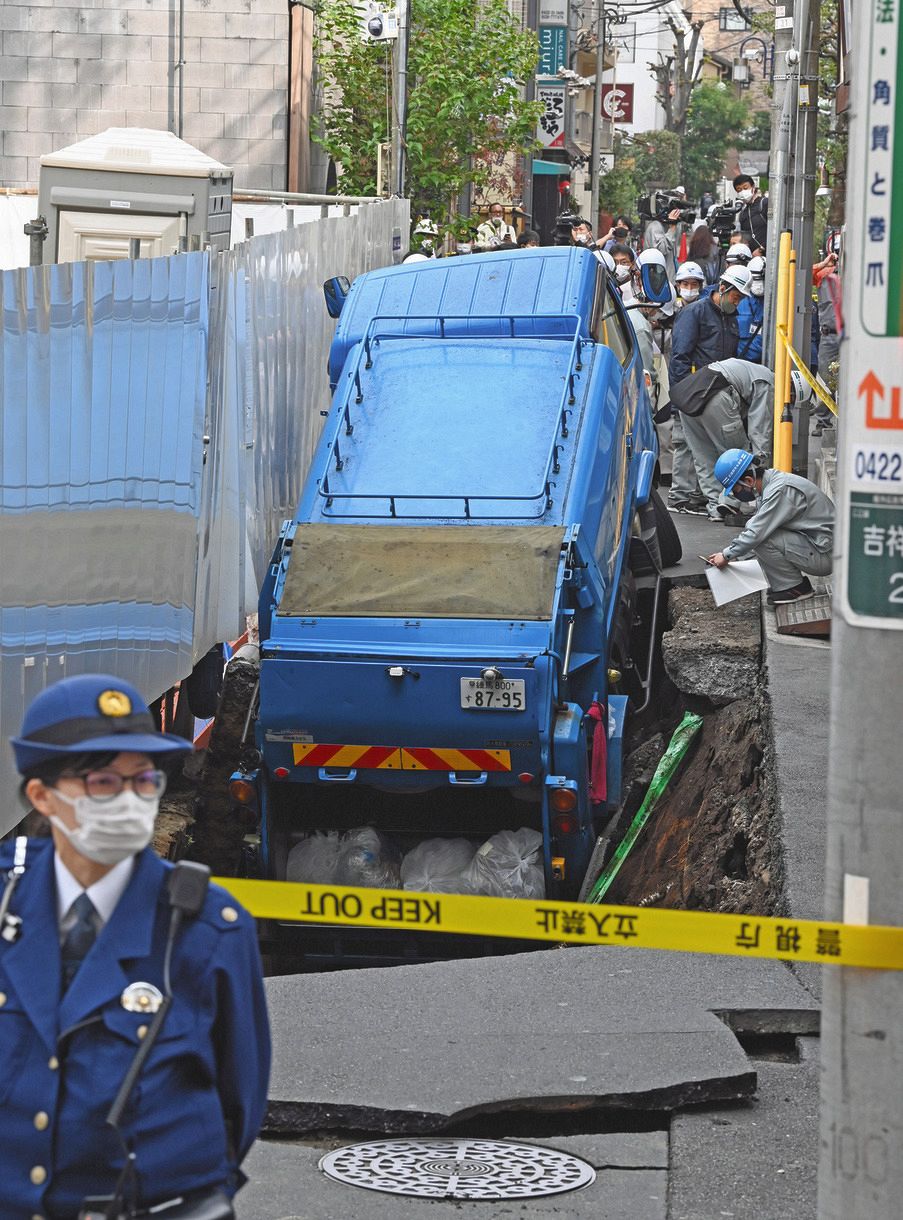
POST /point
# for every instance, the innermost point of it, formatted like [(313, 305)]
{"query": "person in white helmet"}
[(737, 255), (689, 282), (751, 313), (424, 241), (725, 405), (707, 330)]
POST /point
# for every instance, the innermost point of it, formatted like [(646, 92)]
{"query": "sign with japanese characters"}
[(553, 41), (882, 263), (550, 129), (870, 469)]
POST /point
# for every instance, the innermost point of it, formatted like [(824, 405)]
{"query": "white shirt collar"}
[(105, 893)]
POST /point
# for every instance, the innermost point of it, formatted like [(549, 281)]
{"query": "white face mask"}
[(757, 288), (109, 831), (746, 195), (627, 293), (687, 293), (622, 273)]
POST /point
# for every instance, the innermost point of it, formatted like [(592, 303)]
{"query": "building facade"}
[(73, 68)]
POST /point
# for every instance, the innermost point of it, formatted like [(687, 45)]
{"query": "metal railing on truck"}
[(504, 326)]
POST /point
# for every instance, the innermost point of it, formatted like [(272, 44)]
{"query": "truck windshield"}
[(379, 571)]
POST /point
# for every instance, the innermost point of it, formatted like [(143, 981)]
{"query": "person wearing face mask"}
[(706, 329), (582, 234), (689, 282), (791, 533), (751, 313), (753, 214), (492, 232), (624, 262), (90, 952)]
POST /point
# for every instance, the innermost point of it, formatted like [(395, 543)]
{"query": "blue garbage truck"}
[(447, 628)]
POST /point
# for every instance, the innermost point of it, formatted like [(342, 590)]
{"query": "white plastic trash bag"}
[(367, 858), (509, 865), (314, 860), (438, 866)]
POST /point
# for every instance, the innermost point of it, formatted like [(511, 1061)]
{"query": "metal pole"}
[(400, 91), (527, 197), (781, 125), (181, 68), (782, 294), (596, 157)]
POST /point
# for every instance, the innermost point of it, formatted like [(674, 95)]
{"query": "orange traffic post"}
[(781, 358)]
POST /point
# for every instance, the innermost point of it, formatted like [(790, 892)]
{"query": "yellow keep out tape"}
[(801, 940), (797, 359)]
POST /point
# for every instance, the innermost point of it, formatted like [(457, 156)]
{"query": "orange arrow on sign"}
[(873, 389)]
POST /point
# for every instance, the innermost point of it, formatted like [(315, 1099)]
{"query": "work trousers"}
[(719, 427), (684, 483), (786, 554)]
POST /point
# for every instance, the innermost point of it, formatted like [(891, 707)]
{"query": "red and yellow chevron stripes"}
[(393, 758), (419, 758)]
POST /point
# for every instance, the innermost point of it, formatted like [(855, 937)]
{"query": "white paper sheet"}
[(740, 577)]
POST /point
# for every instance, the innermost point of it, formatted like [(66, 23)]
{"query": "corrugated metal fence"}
[(156, 422)]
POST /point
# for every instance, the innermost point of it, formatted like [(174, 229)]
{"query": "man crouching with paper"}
[(791, 532)]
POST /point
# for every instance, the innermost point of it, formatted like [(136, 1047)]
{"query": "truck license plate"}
[(494, 694)]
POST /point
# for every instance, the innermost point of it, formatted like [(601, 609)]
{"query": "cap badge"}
[(114, 703), (141, 997)]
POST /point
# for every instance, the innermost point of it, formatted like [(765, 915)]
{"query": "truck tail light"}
[(563, 800), (280, 773), (242, 791), (564, 824)]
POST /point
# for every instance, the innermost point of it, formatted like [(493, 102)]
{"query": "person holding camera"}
[(133, 1024), (663, 233), (752, 216)]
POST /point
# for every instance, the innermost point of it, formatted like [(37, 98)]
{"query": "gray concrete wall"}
[(71, 68)]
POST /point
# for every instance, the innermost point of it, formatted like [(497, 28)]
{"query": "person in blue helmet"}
[(96, 939), (791, 533)]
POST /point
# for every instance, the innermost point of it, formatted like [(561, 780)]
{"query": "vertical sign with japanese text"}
[(550, 130), (870, 511)]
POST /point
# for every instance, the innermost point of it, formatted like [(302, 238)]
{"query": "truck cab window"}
[(609, 321)]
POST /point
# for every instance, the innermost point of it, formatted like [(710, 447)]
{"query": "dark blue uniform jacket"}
[(702, 334), (201, 1096)]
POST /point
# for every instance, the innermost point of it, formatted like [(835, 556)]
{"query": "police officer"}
[(88, 956), (791, 533)]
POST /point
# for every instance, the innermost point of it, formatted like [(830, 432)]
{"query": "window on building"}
[(730, 19)]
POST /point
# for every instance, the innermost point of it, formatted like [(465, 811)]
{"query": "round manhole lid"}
[(457, 1168)]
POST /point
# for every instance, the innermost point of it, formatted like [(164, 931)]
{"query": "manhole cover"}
[(457, 1169)]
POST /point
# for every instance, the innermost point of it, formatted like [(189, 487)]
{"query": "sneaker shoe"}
[(695, 509), (677, 506), (718, 513), (799, 593)]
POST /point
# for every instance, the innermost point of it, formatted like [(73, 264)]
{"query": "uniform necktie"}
[(80, 937)]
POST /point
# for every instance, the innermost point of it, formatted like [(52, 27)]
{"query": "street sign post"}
[(861, 1052)]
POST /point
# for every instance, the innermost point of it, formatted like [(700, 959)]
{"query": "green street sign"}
[(875, 566)]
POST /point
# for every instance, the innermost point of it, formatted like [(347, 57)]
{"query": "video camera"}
[(658, 204), (722, 220)]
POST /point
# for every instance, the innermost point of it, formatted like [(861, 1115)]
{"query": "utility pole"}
[(400, 96), (596, 155), (785, 60), (861, 1145), (527, 196)]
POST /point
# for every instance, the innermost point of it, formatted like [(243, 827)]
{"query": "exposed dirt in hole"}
[(712, 843)]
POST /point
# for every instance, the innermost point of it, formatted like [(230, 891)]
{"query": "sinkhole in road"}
[(457, 1168)]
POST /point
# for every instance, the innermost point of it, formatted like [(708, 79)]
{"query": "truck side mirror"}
[(335, 291), (656, 288)]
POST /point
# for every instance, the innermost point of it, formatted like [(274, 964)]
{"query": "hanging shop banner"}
[(553, 41), (617, 103), (550, 129), (870, 512)]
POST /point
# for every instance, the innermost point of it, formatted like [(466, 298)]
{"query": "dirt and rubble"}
[(712, 842)]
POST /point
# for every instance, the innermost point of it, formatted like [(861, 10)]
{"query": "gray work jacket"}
[(788, 502)]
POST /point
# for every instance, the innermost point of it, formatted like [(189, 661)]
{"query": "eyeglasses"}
[(105, 785)]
